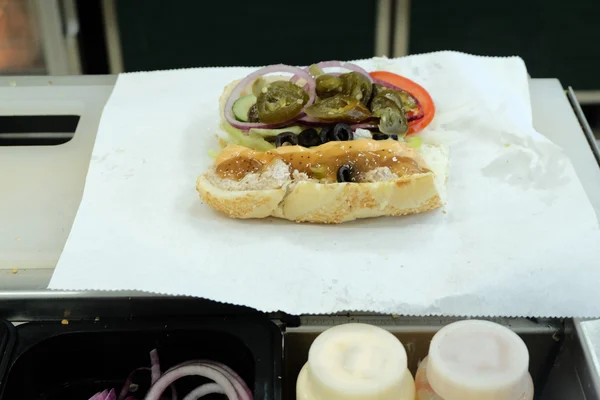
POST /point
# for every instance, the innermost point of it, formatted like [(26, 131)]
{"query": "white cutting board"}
[(41, 186)]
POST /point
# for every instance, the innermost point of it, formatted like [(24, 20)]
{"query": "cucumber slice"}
[(265, 133), (238, 137), (242, 106)]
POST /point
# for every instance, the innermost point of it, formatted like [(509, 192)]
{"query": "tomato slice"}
[(414, 89)]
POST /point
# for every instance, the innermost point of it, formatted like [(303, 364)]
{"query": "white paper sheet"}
[(517, 237)]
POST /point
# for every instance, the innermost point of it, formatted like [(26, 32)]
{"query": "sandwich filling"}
[(336, 161)]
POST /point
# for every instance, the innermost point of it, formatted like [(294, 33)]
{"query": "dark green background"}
[(161, 34), (556, 39)]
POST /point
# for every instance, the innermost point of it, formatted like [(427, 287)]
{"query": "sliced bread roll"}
[(280, 192)]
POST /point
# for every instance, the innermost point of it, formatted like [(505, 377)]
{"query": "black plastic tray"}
[(52, 361), (7, 338)]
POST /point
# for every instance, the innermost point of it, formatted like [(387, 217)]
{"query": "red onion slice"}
[(201, 391), (154, 366), (128, 382), (235, 94), (105, 395), (204, 370), (98, 396), (337, 64), (311, 121)]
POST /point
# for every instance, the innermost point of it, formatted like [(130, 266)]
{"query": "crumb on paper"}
[(12, 83), (506, 144), (17, 238), (443, 211), (50, 83), (64, 322), (15, 271)]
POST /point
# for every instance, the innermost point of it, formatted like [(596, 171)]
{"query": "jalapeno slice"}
[(357, 86), (409, 103), (392, 119), (329, 85), (280, 101), (339, 108)]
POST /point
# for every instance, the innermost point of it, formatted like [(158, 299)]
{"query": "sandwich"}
[(324, 146)]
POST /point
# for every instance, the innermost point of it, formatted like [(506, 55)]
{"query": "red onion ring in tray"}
[(235, 94), (337, 64), (155, 366), (201, 391), (225, 381), (231, 375), (189, 370), (409, 118), (105, 395)]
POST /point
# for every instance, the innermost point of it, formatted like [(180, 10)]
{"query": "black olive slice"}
[(346, 173), (325, 133), (341, 132), (383, 136), (286, 137), (309, 138), (380, 136)]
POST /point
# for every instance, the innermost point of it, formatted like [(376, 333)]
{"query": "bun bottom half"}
[(309, 201)]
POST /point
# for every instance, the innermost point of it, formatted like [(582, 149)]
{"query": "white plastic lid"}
[(478, 360), (358, 361)]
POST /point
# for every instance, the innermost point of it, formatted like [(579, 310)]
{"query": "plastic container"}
[(356, 361), (475, 360), (53, 361)]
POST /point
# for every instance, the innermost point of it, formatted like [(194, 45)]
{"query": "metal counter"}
[(556, 114)]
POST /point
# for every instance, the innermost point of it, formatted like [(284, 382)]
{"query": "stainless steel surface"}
[(587, 355), (588, 96), (554, 117), (71, 36), (575, 374), (587, 130), (57, 39), (113, 37), (383, 28), (401, 28)]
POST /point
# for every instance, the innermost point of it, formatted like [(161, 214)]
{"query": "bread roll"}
[(295, 197), (278, 191)]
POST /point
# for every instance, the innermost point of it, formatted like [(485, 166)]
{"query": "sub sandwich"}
[(324, 147)]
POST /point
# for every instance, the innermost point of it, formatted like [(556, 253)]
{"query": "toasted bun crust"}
[(238, 203), (307, 201)]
